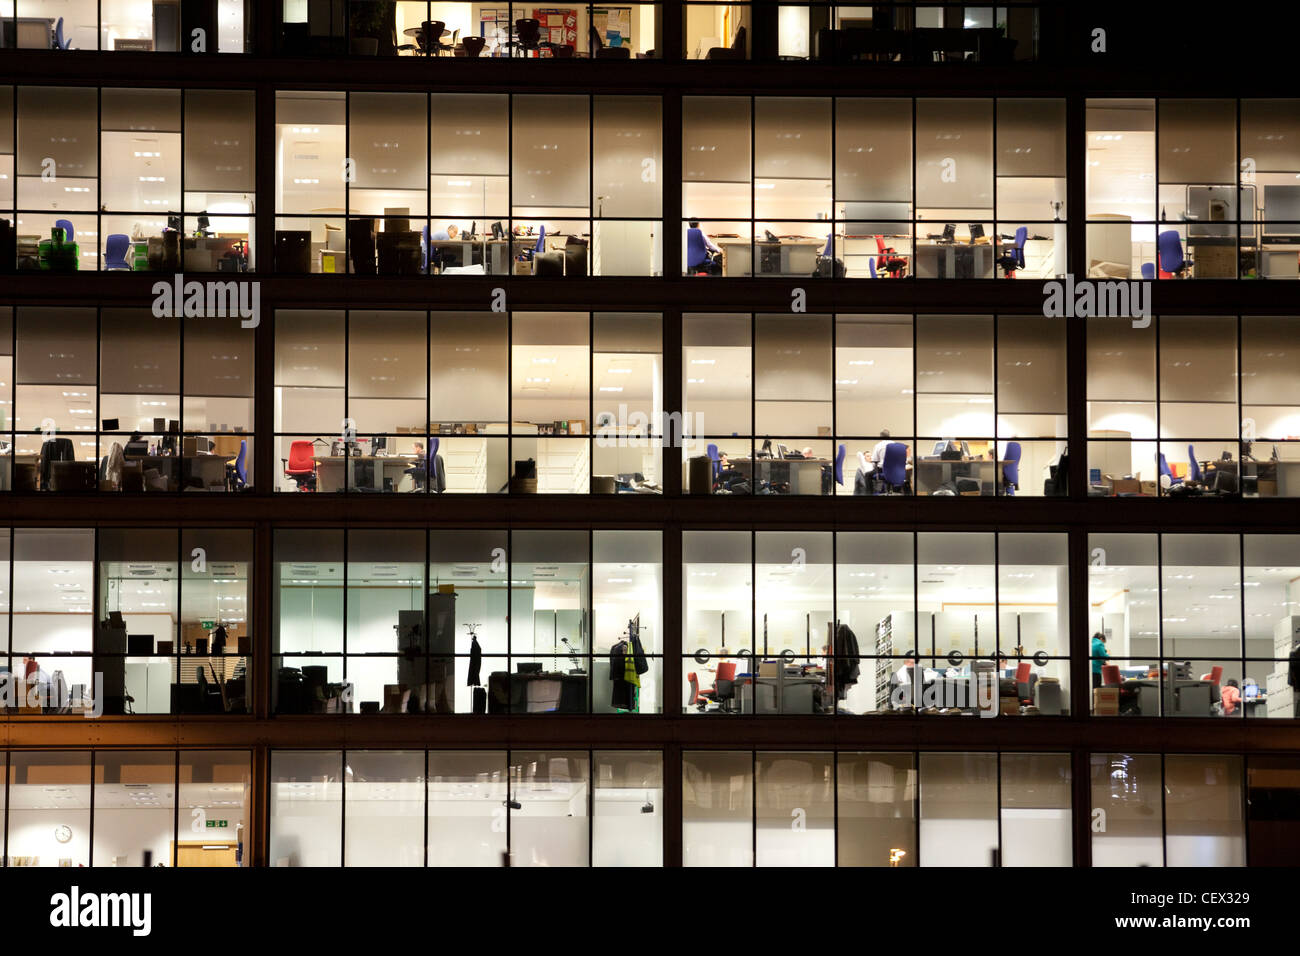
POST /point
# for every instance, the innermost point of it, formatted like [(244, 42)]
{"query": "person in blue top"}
[(442, 235), (1099, 657)]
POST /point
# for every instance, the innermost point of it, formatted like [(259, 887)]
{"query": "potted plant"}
[(366, 26)]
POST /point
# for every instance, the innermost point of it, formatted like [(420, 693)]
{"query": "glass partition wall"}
[(874, 404), (1193, 625), (198, 29), (474, 30), (529, 621), (855, 623), (467, 184), (128, 179), (1192, 407), (469, 402), (873, 188), (1193, 188)]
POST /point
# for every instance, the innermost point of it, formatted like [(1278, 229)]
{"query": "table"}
[(952, 260), (788, 257), (338, 473), (803, 474), (933, 472)]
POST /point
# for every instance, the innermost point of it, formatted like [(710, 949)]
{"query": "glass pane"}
[(794, 809), (1036, 819), (877, 809), (49, 808), (1127, 810), (215, 807), (306, 808), (959, 809), (627, 809), (1205, 822), (717, 808), (135, 808), (384, 810), (549, 808), (467, 808)]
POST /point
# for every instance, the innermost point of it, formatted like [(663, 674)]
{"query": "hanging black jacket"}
[(475, 662), (847, 664)]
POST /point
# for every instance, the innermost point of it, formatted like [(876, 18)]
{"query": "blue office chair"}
[(1193, 467), (1167, 472), (1011, 470), (116, 248), (893, 470), (839, 464), (59, 42), (541, 240), (1014, 258), (830, 246), (237, 474), (1169, 253), (715, 464), (69, 234), (871, 264), (697, 252), (1148, 270), (431, 468)]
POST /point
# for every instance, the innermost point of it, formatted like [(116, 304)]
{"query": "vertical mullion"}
[(176, 812), (425, 796), (997, 761), (343, 802), (90, 848)]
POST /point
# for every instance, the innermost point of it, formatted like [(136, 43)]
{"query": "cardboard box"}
[(1125, 486), (1009, 706), (1268, 487), (1105, 701), (1149, 488)]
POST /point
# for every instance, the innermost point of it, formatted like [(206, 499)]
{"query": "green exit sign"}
[(208, 625), (217, 824)]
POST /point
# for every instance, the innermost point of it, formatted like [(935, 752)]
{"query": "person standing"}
[(1099, 657)]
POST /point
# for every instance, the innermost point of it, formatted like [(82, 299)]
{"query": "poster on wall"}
[(559, 26), (614, 24), (494, 27)]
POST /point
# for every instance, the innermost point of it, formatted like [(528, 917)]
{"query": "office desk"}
[(791, 693), (786, 257), (538, 693), (933, 472), (803, 474), (339, 473), (952, 260)]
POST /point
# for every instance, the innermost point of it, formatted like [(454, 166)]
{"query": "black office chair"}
[(602, 52), (528, 33)]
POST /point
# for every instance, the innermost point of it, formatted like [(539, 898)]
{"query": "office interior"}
[(1193, 189), (904, 32), (93, 401), (970, 188), (127, 808), (467, 808), (873, 404), (164, 26), (469, 402), (571, 807), (451, 29), (517, 622), (1193, 406), (126, 621), (558, 185), (1195, 625), (127, 179), (874, 623), (900, 809)]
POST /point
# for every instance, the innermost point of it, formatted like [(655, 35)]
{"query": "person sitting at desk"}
[(444, 235), (702, 253), (878, 453), (136, 446), (1229, 697)]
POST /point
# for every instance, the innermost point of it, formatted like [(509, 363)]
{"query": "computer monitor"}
[(377, 442), (949, 232), (976, 231)]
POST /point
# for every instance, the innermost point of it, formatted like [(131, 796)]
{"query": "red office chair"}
[(888, 259), (1110, 675), (1215, 676), (301, 465), (1023, 689), (696, 700)]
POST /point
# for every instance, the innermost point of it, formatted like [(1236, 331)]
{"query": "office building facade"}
[(647, 434)]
